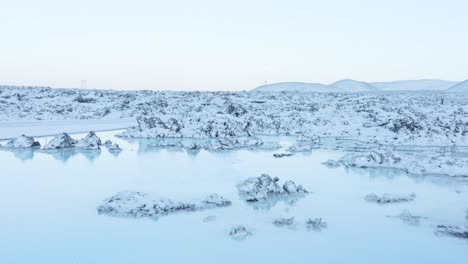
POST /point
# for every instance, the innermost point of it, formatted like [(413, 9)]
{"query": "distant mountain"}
[(460, 87), (354, 86), (298, 86), (414, 85)]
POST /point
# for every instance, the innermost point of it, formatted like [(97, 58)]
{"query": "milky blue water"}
[(48, 210)]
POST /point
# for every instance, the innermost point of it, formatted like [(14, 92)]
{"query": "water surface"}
[(49, 213)]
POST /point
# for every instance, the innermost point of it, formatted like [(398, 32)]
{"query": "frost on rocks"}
[(115, 148), (409, 118), (264, 188), (284, 221), (454, 231), (22, 142), (214, 144), (428, 164), (89, 142), (108, 143), (64, 142), (388, 119), (387, 198), (316, 224), (61, 141), (408, 218), (239, 233), (138, 204), (214, 200)]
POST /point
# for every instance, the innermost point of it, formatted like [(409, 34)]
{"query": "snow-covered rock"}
[(214, 200), (454, 231), (284, 221), (61, 141), (419, 164), (258, 189), (387, 198), (411, 118), (239, 233), (115, 148), (22, 142), (138, 204), (316, 224), (90, 142), (108, 143)]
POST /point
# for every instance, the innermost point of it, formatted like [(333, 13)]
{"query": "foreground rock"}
[(115, 148), (454, 231), (387, 198), (316, 224), (239, 233), (263, 188), (22, 142), (89, 142), (284, 221), (63, 141), (138, 204), (60, 141)]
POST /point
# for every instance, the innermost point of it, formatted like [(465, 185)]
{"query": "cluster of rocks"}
[(316, 224), (388, 157), (263, 188), (138, 204), (388, 198), (214, 144), (22, 142), (454, 231), (62, 142)]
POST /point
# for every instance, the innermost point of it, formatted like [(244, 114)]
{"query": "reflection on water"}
[(49, 214)]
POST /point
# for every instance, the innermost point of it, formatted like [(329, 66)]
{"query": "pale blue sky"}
[(229, 45)]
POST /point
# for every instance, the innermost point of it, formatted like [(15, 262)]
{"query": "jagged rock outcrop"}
[(61, 141), (239, 233), (138, 204), (90, 142), (22, 142), (454, 231), (258, 189)]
